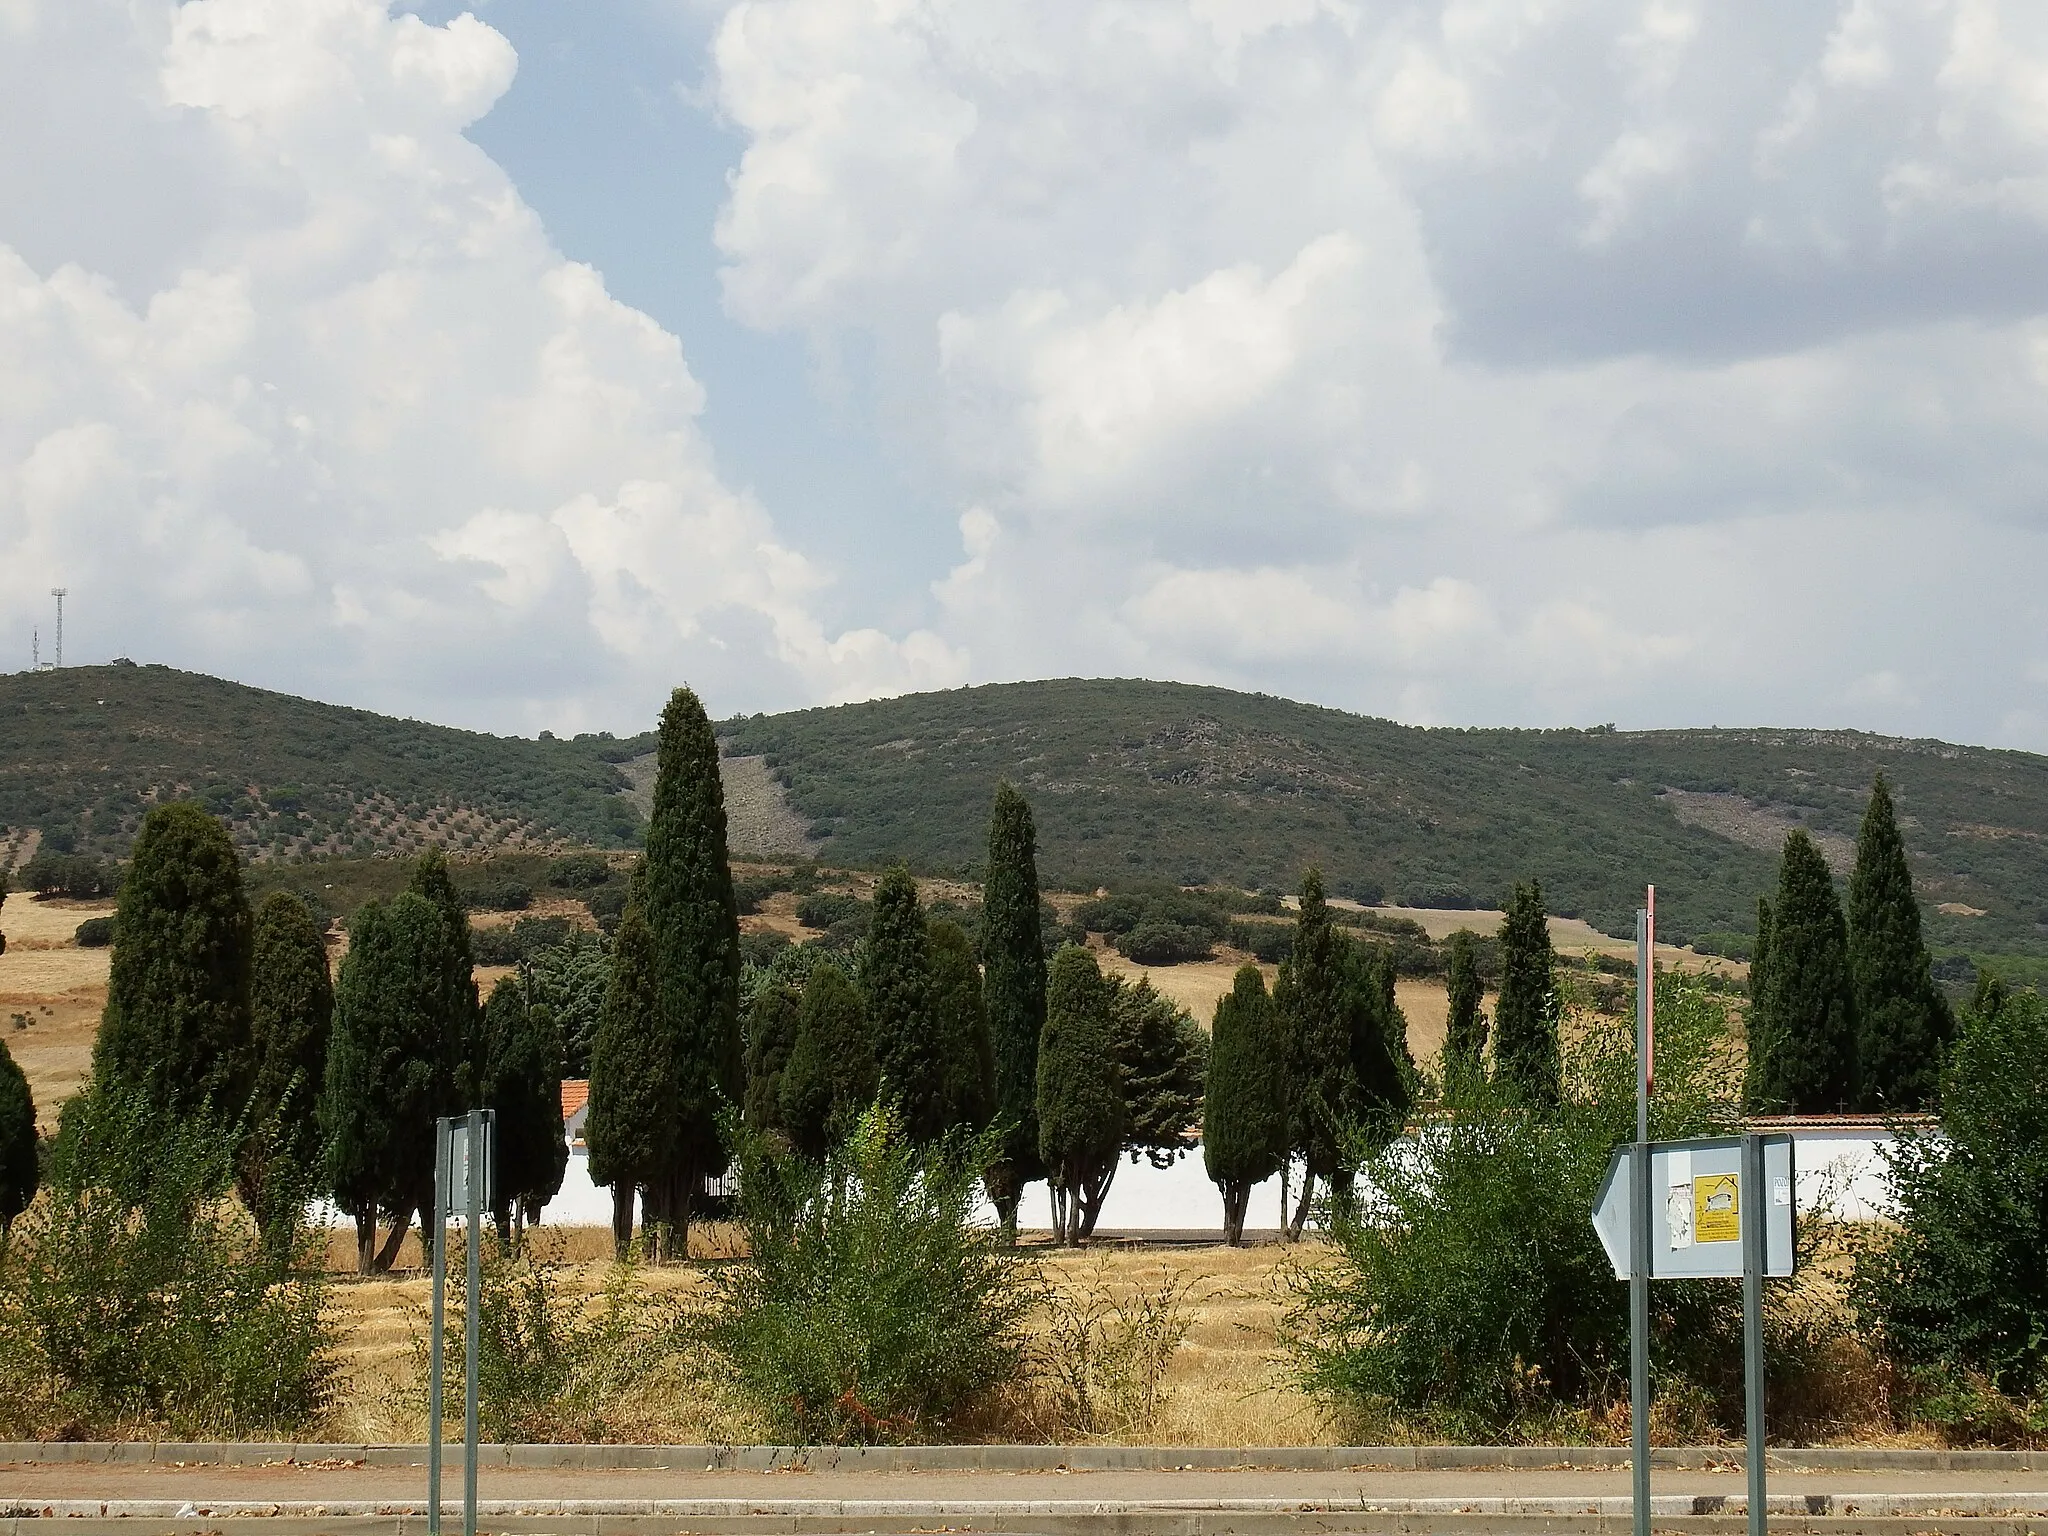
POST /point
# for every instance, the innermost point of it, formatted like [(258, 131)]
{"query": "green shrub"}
[(871, 1307), (136, 1294), (1271, 943), (1961, 1288), (95, 933), (497, 896), (76, 876), (607, 904), (579, 872), (1163, 944), (519, 943), (826, 909), (1470, 1296)]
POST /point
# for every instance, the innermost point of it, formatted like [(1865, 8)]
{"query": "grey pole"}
[(1639, 1242), (1755, 1210), (473, 1187), (435, 1231)]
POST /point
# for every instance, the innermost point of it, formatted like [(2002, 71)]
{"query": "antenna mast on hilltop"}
[(35, 650), (58, 593)]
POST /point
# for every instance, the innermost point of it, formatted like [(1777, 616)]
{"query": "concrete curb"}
[(1019, 1458)]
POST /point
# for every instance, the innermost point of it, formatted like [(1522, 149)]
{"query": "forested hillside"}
[(1161, 780), (1130, 781)]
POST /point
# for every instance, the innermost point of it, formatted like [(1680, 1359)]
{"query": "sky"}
[(1520, 362)]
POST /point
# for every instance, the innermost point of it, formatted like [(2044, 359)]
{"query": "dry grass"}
[(1223, 1386), (51, 995)]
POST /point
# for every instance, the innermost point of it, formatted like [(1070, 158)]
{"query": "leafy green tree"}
[(960, 1022), (461, 1015), (1465, 1031), (1165, 1059), (522, 1083), (176, 1025), (1013, 987), (1803, 1035), (832, 1076), (1961, 1286), (1081, 1116), (1903, 1022), (291, 1010), (1525, 1054), (630, 1130), (772, 1021), (387, 1076), (1322, 1080), (694, 920), (1244, 1109), (896, 979), (20, 1171), (569, 980)]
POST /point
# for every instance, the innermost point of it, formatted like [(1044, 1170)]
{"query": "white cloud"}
[(356, 426)]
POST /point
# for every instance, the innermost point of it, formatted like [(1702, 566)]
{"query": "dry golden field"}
[(1223, 1387)]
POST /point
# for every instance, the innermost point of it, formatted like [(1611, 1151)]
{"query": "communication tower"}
[(58, 593)]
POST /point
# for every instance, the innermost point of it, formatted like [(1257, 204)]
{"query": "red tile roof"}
[(575, 1094)]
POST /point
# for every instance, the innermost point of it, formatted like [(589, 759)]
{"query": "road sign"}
[(1699, 1207), (461, 1143)]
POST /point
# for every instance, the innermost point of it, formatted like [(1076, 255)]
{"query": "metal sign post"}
[(1717, 1207), (462, 1178)]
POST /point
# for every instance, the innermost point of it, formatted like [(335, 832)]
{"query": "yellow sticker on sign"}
[(1716, 1208)]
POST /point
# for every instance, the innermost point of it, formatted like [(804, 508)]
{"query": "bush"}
[(1730, 946), (826, 909), (94, 933), (1469, 1295), (871, 1307), (75, 876), (1268, 942), (750, 892), (607, 905), (1106, 1351), (519, 943), (497, 896), (551, 1367), (579, 872), (138, 1294), (1163, 944), (1961, 1288)]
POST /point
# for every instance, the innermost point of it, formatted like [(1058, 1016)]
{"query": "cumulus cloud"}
[(1639, 359), (299, 389)]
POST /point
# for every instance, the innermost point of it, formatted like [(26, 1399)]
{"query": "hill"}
[(1132, 781), (1165, 781), (85, 749)]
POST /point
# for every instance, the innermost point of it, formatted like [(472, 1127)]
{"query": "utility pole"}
[(35, 650), (58, 593)]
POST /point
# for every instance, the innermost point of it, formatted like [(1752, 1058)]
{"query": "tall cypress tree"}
[(1321, 1076), (1903, 1022), (1013, 988), (19, 1169), (630, 1130), (896, 979), (960, 1023), (522, 1083), (832, 1076), (461, 1014), (771, 1036), (1244, 1111), (176, 1025), (1525, 1049), (1803, 1060), (1465, 1031), (1382, 1072), (291, 1010), (696, 928), (387, 1078), (1080, 1092)]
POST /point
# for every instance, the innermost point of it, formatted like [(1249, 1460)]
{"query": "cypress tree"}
[(1321, 1077), (176, 1024), (1244, 1111), (771, 1036), (1382, 1072), (387, 1078), (1903, 1022), (19, 1170), (1525, 1051), (896, 979), (630, 1130), (291, 1010), (1080, 1093), (1013, 988), (461, 1015), (696, 929), (1465, 1031), (522, 1082), (1378, 974), (1165, 1060), (960, 1024), (832, 1077), (1804, 1059)]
